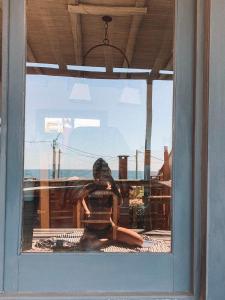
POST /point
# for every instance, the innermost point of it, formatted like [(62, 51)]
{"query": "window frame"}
[(3, 136), (17, 265)]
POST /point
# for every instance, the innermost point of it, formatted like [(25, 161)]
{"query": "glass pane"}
[(98, 127)]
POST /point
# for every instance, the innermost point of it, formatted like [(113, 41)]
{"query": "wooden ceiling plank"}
[(46, 17), (99, 10)]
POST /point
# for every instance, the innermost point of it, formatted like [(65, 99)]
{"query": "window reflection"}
[(98, 132)]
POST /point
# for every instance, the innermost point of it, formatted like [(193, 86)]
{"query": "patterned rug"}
[(69, 242)]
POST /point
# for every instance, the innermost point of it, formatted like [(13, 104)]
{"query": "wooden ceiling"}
[(61, 32)]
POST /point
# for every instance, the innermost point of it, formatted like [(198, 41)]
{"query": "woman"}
[(97, 200)]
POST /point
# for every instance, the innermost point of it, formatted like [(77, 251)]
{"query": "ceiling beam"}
[(88, 74), (101, 10), (31, 58), (168, 66), (77, 37), (132, 37), (164, 52)]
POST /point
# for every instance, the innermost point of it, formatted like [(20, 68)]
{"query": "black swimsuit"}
[(101, 203), (100, 233)]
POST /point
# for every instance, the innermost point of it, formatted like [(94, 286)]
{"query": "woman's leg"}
[(128, 236)]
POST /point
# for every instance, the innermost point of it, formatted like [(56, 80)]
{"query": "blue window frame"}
[(170, 274)]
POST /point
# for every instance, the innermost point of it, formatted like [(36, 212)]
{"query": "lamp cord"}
[(106, 38)]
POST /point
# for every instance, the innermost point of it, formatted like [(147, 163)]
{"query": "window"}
[(93, 271)]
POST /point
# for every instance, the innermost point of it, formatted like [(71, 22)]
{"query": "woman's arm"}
[(87, 211)]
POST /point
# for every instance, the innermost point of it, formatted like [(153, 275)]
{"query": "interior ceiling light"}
[(106, 42), (130, 95), (80, 91)]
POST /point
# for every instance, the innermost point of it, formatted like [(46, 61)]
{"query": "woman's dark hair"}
[(102, 171)]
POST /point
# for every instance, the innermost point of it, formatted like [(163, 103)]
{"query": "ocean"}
[(83, 174)]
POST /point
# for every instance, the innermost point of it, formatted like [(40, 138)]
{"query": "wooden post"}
[(54, 159), (54, 146), (123, 166), (147, 158), (59, 162), (166, 165), (136, 158), (124, 188), (148, 134), (44, 208)]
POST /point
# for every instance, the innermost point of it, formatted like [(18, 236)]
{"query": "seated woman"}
[(97, 200)]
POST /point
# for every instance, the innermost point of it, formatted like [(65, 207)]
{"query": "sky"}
[(93, 118)]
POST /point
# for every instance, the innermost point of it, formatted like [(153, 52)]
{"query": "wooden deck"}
[(64, 240)]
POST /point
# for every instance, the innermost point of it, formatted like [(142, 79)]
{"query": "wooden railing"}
[(56, 208)]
